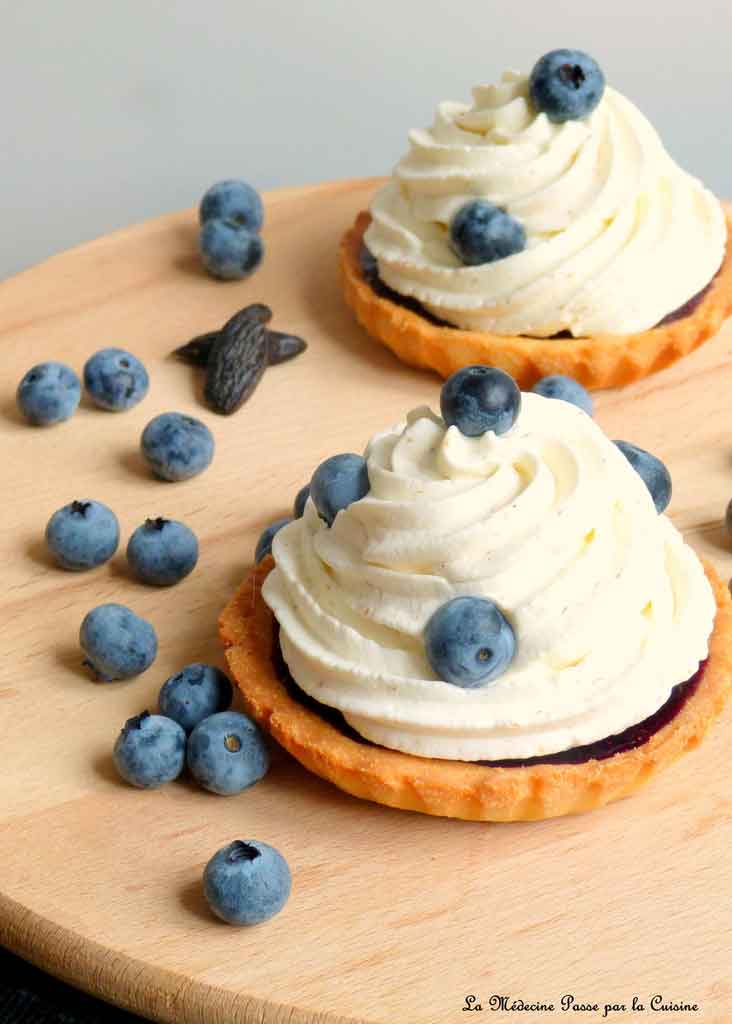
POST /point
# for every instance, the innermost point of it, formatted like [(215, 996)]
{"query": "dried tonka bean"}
[(281, 347), (198, 349), (236, 363)]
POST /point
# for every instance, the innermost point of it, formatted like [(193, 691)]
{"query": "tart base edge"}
[(600, 361), (457, 789)]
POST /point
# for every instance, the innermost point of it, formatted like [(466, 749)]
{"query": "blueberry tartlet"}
[(542, 229), (488, 616)]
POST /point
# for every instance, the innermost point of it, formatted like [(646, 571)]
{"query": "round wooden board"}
[(394, 918)]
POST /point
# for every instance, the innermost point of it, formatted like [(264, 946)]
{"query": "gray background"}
[(113, 112)]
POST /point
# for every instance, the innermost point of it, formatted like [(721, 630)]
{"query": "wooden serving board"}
[(394, 917)]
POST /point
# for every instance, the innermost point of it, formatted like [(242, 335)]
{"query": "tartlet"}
[(456, 789), (589, 252)]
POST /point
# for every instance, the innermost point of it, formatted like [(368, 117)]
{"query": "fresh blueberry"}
[(477, 399), (264, 544), (368, 263), (567, 389), (193, 694), (115, 379), (652, 472), (227, 753), (235, 201), (150, 751), (483, 233), (176, 446), (162, 551), (469, 642), (118, 644), (246, 882), (337, 483), (228, 251), (301, 501), (82, 535), (48, 393), (566, 85)]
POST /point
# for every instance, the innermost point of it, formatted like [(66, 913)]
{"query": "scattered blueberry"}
[(115, 379), (566, 84), (176, 446), (82, 535), (483, 233), (477, 399), (246, 882), (193, 694), (228, 251), (264, 544), (469, 642), (235, 201), (150, 751), (118, 644), (567, 389), (162, 551), (227, 753), (301, 501), (48, 393), (337, 483), (652, 472)]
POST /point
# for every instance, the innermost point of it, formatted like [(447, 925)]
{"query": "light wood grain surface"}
[(394, 918)]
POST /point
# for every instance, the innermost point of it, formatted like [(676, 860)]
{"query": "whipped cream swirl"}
[(610, 607), (618, 236)]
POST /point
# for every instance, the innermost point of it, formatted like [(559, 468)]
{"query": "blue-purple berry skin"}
[(227, 753), (228, 251), (176, 446), (476, 399), (337, 483), (48, 393), (481, 232), (194, 693), (301, 501), (82, 535), (162, 551), (247, 882), (233, 200), (652, 472), (150, 751), (264, 544), (469, 642), (567, 389), (118, 643), (566, 85), (115, 379)]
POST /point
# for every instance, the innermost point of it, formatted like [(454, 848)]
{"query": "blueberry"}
[(567, 389), (652, 472), (228, 251), (115, 379), (483, 233), (193, 694), (82, 535), (227, 753), (150, 751), (264, 544), (176, 446), (118, 644), (337, 483), (477, 399), (246, 882), (469, 642), (301, 501), (48, 393), (566, 84), (235, 201), (162, 551)]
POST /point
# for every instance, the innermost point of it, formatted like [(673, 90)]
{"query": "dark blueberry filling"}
[(628, 739), (370, 271)]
